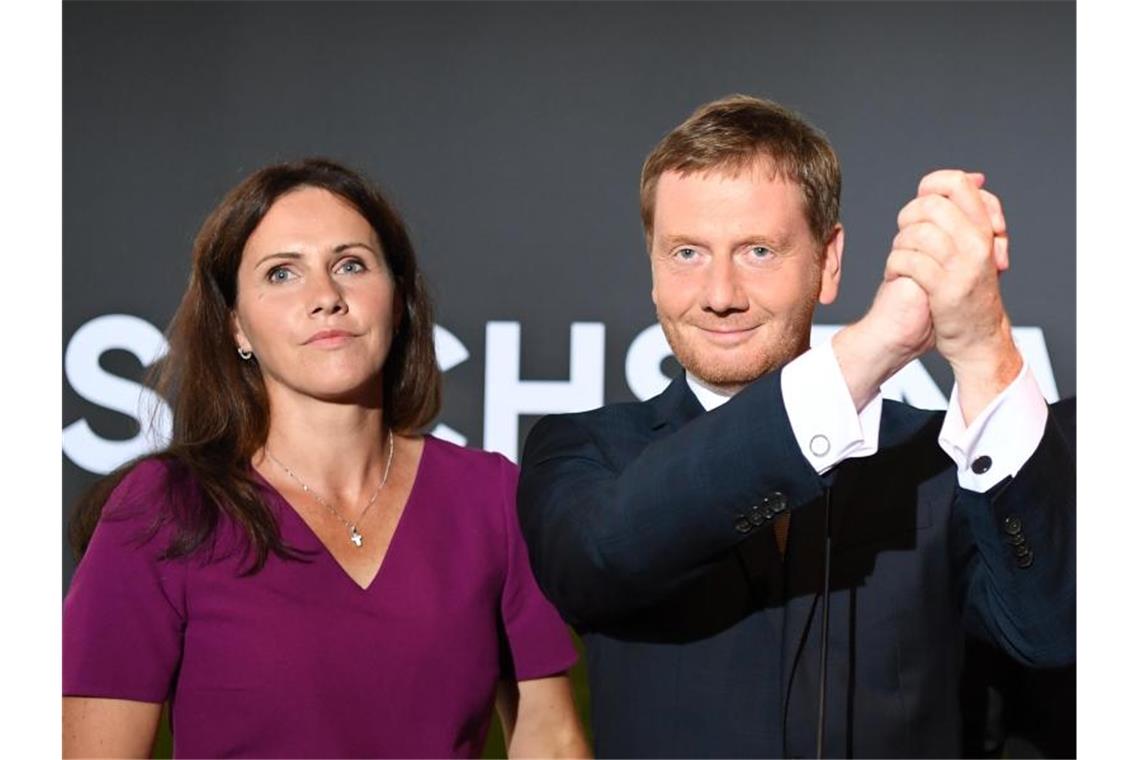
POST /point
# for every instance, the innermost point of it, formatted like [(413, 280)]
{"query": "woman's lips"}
[(329, 338)]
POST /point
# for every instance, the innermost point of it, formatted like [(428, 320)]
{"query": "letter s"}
[(81, 365)]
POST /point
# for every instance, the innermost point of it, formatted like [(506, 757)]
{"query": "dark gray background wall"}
[(511, 136)]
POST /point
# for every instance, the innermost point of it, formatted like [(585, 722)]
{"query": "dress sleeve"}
[(124, 614), (537, 642)]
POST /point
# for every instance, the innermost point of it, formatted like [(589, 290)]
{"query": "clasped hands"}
[(940, 290)]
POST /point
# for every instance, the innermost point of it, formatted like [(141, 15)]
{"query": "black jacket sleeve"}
[(1018, 543)]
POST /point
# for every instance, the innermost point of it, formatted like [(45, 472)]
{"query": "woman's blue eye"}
[(353, 266), (278, 274)]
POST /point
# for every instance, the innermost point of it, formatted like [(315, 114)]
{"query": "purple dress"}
[(297, 660)]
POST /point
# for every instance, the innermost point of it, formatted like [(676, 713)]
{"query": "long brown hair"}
[(219, 403)]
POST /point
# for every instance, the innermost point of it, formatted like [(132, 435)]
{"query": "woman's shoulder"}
[(148, 486), (468, 462), (470, 485)]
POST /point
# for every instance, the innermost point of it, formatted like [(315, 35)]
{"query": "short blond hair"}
[(735, 131)]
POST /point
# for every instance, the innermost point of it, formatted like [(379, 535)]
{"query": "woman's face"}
[(316, 303)]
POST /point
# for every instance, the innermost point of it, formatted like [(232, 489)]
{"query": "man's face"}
[(737, 272)]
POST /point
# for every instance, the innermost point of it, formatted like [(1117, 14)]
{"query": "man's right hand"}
[(896, 329)]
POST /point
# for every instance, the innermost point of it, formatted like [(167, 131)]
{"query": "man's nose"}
[(325, 295), (723, 291)]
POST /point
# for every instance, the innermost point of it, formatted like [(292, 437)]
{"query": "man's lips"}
[(726, 335), (329, 337)]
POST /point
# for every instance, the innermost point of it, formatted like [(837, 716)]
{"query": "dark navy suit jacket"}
[(649, 526)]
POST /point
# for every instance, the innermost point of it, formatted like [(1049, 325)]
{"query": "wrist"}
[(865, 359), (983, 372), (994, 359)]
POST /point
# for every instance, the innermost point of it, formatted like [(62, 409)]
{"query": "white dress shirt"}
[(829, 429)]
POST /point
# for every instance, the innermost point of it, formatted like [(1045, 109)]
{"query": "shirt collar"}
[(709, 396)]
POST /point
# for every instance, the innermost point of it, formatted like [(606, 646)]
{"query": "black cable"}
[(823, 623)]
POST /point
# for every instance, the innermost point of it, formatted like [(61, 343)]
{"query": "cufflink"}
[(819, 445), (981, 465)]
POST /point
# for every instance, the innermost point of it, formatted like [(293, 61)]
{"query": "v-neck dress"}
[(297, 660)]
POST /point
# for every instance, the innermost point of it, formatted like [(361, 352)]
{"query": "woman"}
[(299, 573)]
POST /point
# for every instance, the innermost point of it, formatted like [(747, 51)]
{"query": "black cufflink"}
[(982, 465)]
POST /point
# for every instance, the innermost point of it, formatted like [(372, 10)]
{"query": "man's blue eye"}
[(761, 252), (686, 253)]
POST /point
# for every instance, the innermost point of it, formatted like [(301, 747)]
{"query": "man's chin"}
[(726, 374)]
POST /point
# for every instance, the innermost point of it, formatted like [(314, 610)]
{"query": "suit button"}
[(1021, 551), (981, 465), (742, 524), (1017, 539), (776, 502), (1026, 561), (1012, 525), (757, 518)]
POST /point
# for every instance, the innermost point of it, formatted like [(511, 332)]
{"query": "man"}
[(686, 537)]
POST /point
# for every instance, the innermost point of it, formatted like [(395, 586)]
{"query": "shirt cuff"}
[(822, 414), (1000, 440)]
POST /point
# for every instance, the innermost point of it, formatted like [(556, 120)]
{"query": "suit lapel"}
[(675, 406)]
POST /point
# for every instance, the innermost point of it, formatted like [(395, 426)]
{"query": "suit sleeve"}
[(606, 540), (1019, 542)]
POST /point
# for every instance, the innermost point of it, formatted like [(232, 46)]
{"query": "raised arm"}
[(1015, 512), (610, 535)]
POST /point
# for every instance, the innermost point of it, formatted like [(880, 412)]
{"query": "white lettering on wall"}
[(506, 395), (449, 352), (1031, 342), (81, 444), (643, 363)]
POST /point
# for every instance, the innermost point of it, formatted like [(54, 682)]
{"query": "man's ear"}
[(831, 263)]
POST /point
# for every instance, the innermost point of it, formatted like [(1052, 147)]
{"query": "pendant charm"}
[(356, 538)]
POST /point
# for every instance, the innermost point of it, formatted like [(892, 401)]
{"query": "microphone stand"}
[(820, 722)]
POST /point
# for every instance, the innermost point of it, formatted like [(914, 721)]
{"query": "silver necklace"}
[(354, 535)]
